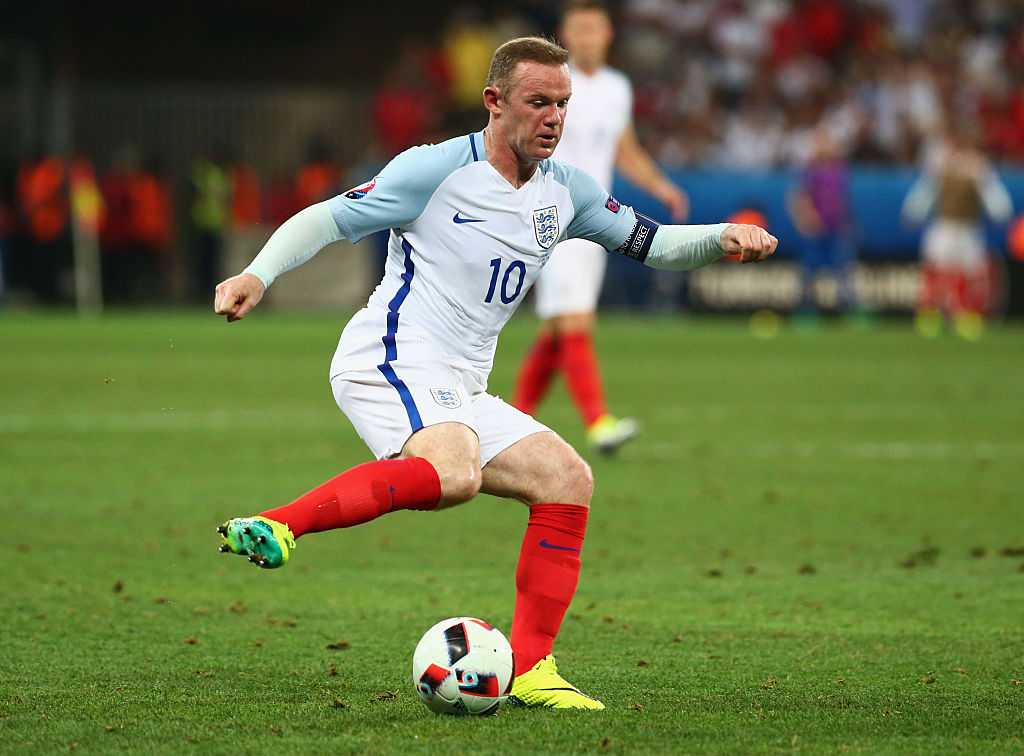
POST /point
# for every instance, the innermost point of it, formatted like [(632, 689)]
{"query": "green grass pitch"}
[(817, 546)]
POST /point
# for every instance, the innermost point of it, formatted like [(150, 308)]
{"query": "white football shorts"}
[(570, 282), (387, 400), (954, 244)]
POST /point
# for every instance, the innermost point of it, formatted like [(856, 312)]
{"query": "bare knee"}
[(454, 451), (578, 482), (459, 483), (567, 479), (538, 469)]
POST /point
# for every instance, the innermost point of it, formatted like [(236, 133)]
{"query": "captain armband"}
[(638, 243)]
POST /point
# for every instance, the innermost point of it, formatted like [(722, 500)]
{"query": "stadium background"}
[(240, 114)]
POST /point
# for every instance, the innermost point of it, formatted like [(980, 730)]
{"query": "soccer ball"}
[(463, 666)]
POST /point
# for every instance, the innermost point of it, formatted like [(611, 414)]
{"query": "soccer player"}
[(962, 185), (598, 137), (820, 208), (472, 221)]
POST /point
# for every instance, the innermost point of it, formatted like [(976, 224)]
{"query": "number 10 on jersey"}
[(506, 296)]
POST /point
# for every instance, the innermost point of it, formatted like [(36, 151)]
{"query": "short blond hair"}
[(536, 49)]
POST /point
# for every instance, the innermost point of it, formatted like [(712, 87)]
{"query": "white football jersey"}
[(465, 245), (600, 110)]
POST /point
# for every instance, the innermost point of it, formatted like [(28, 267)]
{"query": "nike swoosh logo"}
[(459, 219), (575, 690), (547, 545)]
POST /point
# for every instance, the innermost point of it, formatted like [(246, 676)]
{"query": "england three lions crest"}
[(545, 225), (446, 397)]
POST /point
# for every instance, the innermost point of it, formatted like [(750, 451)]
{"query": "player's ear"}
[(492, 100)]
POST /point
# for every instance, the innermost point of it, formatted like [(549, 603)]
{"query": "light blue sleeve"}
[(400, 192), (598, 217)]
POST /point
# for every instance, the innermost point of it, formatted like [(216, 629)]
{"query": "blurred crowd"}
[(159, 236), (744, 84)]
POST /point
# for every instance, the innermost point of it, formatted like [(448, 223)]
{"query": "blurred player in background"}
[(820, 208), (598, 137), (472, 221), (962, 185)]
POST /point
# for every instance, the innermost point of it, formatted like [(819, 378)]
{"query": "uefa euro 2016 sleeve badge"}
[(359, 192), (446, 397), (545, 225)]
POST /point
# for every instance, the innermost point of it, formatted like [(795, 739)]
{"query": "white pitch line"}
[(163, 420), (170, 418), (853, 411), (893, 451)]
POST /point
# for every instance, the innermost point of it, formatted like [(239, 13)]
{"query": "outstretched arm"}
[(689, 247), (296, 241), (621, 229)]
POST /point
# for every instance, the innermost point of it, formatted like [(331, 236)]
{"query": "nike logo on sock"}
[(544, 543), (459, 219)]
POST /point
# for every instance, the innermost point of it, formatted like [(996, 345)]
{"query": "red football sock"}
[(965, 294), (549, 568), (931, 294), (582, 376), (362, 494), (536, 373)]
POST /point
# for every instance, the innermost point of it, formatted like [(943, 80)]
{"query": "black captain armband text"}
[(638, 243)]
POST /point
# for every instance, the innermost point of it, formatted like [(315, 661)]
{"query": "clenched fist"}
[(237, 295), (751, 243)]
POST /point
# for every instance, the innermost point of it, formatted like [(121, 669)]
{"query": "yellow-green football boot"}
[(608, 433), (266, 542), (543, 686)]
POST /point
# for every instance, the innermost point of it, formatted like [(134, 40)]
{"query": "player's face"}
[(535, 109), (587, 34)]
